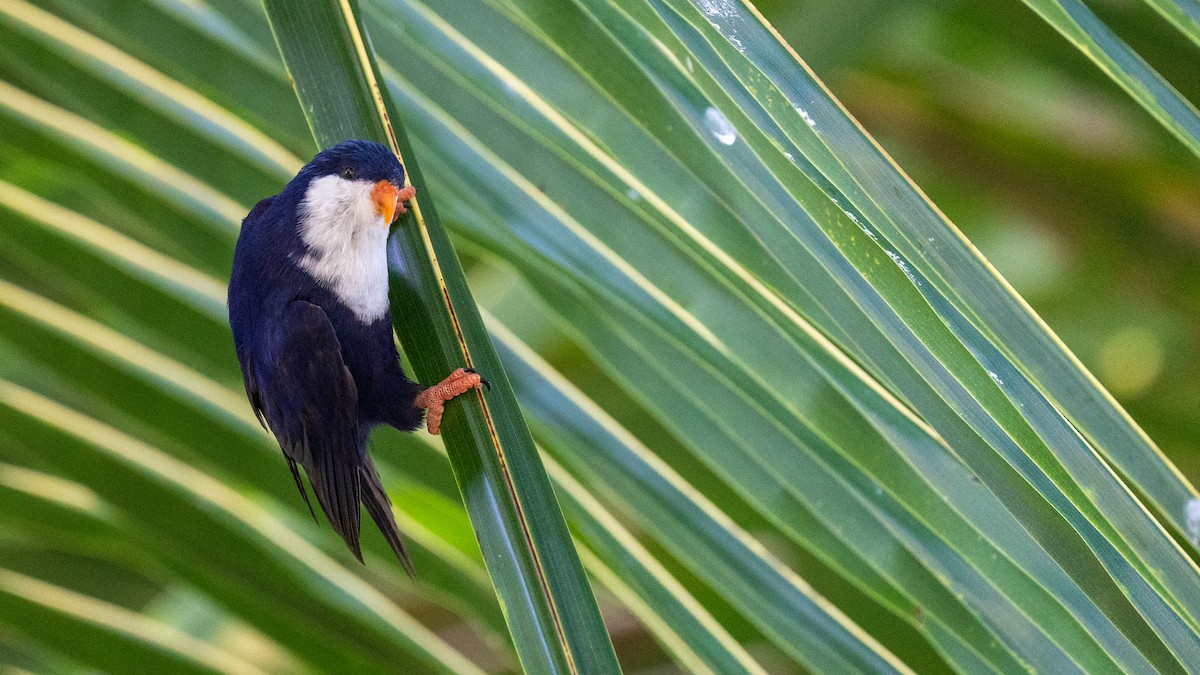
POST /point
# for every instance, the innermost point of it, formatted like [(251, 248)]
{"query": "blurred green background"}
[(1085, 204)]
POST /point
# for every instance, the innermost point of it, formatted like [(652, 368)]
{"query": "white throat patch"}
[(346, 242)]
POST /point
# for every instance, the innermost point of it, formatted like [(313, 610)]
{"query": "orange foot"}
[(433, 400), (406, 193)]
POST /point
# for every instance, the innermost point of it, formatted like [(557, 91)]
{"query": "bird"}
[(312, 329)]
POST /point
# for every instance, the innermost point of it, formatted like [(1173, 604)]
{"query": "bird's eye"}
[(348, 173)]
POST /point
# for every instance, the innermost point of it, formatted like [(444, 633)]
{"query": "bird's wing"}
[(259, 209), (310, 401)]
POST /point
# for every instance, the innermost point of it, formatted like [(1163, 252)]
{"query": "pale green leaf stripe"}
[(434, 520), (151, 87), (123, 158), (1096, 40), (204, 19), (1185, 14), (115, 347), (55, 489), (37, 507), (693, 636), (431, 535), (150, 633), (186, 283), (203, 489), (635, 600)]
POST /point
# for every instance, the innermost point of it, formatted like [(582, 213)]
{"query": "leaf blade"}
[(547, 601)]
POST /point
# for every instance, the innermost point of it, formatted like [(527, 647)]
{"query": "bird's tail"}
[(377, 503), (340, 487), (335, 480)]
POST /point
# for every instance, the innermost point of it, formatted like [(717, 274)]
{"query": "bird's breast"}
[(355, 272)]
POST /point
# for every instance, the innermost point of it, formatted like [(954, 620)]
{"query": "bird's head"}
[(353, 187), (347, 197)]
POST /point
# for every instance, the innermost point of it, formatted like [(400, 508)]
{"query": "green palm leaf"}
[(547, 600), (793, 419), (1084, 29)]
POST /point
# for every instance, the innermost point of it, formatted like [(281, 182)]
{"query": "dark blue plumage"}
[(314, 337)]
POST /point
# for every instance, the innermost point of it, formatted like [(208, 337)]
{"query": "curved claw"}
[(482, 380)]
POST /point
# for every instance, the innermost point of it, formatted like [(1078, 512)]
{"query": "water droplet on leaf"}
[(720, 126)]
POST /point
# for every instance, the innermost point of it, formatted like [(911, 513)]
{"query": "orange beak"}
[(389, 199), (385, 194)]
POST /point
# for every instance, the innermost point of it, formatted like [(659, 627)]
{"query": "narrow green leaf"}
[(123, 158), (1098, 42), (1185, 14), (86, 629), (546, 597)]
